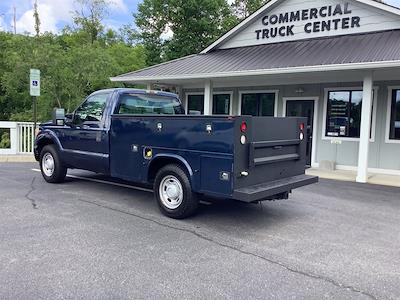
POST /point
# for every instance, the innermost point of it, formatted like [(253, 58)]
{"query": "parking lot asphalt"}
[(91, 240)]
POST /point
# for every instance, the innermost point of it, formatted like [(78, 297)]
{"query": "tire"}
[(174, 193), (52, 168)]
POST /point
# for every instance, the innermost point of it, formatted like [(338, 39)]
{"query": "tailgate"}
[(274, 151), (265, 190)]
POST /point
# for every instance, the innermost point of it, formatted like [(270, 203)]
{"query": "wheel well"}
[(160, 163), (42, 143)]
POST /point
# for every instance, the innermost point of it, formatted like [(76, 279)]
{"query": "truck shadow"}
[(211, 213), (242, 214)]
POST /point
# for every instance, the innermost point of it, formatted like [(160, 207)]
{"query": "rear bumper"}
[(265, 191)]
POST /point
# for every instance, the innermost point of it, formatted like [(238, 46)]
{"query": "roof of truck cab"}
[(137, 91)]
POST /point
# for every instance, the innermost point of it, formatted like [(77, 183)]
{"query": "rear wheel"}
[(53, 170), (174, 193)]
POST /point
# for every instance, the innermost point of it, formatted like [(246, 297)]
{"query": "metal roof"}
[(352, 51)]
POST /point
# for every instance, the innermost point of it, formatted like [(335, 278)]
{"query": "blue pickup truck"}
[(145, 137)]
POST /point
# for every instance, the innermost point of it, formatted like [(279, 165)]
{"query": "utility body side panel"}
[(186, 137)]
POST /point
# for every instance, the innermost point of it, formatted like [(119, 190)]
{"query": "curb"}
[(16, 158)]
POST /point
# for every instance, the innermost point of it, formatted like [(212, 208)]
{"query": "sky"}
[(55, 14)]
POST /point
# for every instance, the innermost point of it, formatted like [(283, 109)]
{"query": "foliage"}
[(243, 8), (194, 24), (72, 66), (90, 16), (5, 142)]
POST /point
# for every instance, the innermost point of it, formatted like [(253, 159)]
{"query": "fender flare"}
[(175, 157), (49, 135)]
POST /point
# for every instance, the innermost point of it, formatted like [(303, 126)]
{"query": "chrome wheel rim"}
[(171, 192), (48, 164)]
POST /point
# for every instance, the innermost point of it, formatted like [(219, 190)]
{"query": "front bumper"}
[(266, 191)]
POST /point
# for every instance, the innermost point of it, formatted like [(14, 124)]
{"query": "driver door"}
[(86, 142)]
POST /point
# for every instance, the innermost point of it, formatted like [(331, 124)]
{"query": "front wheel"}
[(174, 193), (53, 170)]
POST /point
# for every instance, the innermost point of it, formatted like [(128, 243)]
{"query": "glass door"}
[(303, 108)]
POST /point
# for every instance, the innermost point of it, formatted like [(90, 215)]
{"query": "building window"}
[(394, 133), (343, 117), (258, 104), (196, 104), (221, 104)]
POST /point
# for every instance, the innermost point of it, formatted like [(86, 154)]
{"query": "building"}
[(336, 62)]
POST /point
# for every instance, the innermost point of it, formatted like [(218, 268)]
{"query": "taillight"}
[(243, 127), (302, 126)]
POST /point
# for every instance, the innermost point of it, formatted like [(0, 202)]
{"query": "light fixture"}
[(299, 90)]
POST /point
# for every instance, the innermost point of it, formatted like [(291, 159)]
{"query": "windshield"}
[(136, 104)]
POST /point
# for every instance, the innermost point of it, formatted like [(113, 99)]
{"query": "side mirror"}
[(59, 116)]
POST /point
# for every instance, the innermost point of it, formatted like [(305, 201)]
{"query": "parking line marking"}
[(115, 184)]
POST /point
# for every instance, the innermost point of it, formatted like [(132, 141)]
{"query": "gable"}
[(304, 19)]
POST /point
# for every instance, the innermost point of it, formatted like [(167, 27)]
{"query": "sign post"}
[(35, 92)]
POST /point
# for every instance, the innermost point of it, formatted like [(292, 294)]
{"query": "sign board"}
[(316, 19), (293, 20), (35, 82)]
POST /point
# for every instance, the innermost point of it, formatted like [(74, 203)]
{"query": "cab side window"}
[(91, 111)]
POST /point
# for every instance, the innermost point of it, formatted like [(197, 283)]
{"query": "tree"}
[(152, 20), (37, 19), (194, 25), (243, 8), (90, 16), (69, 71)]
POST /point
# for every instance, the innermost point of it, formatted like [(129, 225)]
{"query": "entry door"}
[(303, 108)]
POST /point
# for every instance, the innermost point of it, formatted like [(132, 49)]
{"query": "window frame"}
[(388, 140), (243, 92), (230, 93), (102, 120), (325, 112)]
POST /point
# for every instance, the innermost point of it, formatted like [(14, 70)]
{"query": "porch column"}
[(149, 86), (208, 97), (362, 174)]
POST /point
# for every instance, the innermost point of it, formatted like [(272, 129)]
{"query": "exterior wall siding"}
[(381, 154)]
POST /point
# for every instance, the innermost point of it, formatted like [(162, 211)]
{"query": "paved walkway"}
[(17, 158), (379, 179)]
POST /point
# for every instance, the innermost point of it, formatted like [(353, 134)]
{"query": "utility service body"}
[(343, 20)]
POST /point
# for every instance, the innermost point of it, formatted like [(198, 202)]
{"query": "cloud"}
[(50, 14), (2, 23), (53, 13), (118, 5)]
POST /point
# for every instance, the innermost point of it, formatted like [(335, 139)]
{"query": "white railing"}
[(22, 137), (26, 137)]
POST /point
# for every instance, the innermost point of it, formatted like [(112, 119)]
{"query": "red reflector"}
[(243, 127), (302, 126)]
